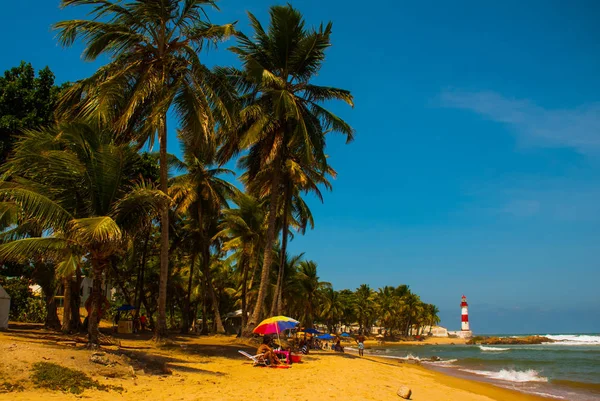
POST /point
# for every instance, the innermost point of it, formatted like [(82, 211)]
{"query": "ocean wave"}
[(442, 363), (574, 339), (510, 375), (558, 397), (492, 349)]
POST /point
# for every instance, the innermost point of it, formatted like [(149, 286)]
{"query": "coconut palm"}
[(365, 306), (281, 111), (154, 47), (202, 193), (310, 289), (242, 230), (78, 186)]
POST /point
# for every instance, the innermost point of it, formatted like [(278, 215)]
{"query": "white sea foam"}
[(492, 349), (574, 339), (442, 363), (516, 376), (558, 397)]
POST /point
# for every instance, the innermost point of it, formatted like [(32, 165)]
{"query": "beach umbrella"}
[(124, 308), (345, 335), (276, 324), (326, 337), (312, 331)]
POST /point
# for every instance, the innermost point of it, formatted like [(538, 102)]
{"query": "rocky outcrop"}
[(479, 340)]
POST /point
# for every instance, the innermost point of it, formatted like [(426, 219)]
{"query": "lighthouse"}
[(464, 315)]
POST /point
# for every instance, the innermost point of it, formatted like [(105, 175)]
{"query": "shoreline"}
[(203, 368), (457, 381)]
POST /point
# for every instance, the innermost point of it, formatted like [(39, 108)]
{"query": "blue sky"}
[(476, 164)]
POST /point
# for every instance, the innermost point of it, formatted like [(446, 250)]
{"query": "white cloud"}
[(577, 128)]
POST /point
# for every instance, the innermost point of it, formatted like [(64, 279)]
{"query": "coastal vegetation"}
[(181, 238)]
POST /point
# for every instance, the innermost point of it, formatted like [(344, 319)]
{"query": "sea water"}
[(567, 369)]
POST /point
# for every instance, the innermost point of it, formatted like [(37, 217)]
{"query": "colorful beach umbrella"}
[(326, 337), (275, 324)]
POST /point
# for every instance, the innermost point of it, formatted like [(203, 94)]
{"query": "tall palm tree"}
[(365, 306), (242, 230), (281, 111), (202, 193), (154, 47), (77, 185), (311, 290)]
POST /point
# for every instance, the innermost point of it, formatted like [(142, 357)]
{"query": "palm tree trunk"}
[(204, 327), (140, 280), (66, 323), (186, 310), (277, 305), (75, 301), (95, 314), (269, 242), (161, 327), (245, 268), (211, 292)]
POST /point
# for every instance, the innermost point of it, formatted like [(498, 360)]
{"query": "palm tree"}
[(154, 46), (311, 289), (76, 184), (242, 230), (364, 306), (281, 111), (332, 308), (201, 193)]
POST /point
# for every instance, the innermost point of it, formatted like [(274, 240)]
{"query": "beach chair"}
[(257, 359)]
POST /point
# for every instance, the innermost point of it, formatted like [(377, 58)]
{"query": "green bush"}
[(56, 377), (24, 306), (20, 294), (33, 312)]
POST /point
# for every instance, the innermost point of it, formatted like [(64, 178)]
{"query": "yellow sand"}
[(210, 368)]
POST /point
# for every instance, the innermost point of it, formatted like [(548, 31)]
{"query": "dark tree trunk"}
[(277, 305), (211, 292), (204, 327), (96, 306), (245, 269), (75, 302), (161, 326), (52, 322), (140, 279), (269, 242), (185, 327), (67, 304), (44, 276)]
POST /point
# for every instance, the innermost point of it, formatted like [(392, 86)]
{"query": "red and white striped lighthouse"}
[(464, 312)]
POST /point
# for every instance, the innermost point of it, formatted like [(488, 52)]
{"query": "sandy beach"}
[(209, 368)]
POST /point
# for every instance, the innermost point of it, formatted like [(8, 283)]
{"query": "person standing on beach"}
[(361, 344)]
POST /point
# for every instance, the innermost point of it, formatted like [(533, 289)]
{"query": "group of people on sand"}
[(269, 349)]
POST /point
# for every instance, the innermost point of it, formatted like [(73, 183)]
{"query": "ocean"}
[(568, 369)]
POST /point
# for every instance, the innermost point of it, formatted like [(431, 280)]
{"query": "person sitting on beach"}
[(267, 352), (338, 347)]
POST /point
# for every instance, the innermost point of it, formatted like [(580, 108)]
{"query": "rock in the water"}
[(435, 358), (404, 392)]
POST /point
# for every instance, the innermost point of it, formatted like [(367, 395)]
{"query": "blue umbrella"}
[(326, 337), (345, 335), (123, 308), (312, 331)]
